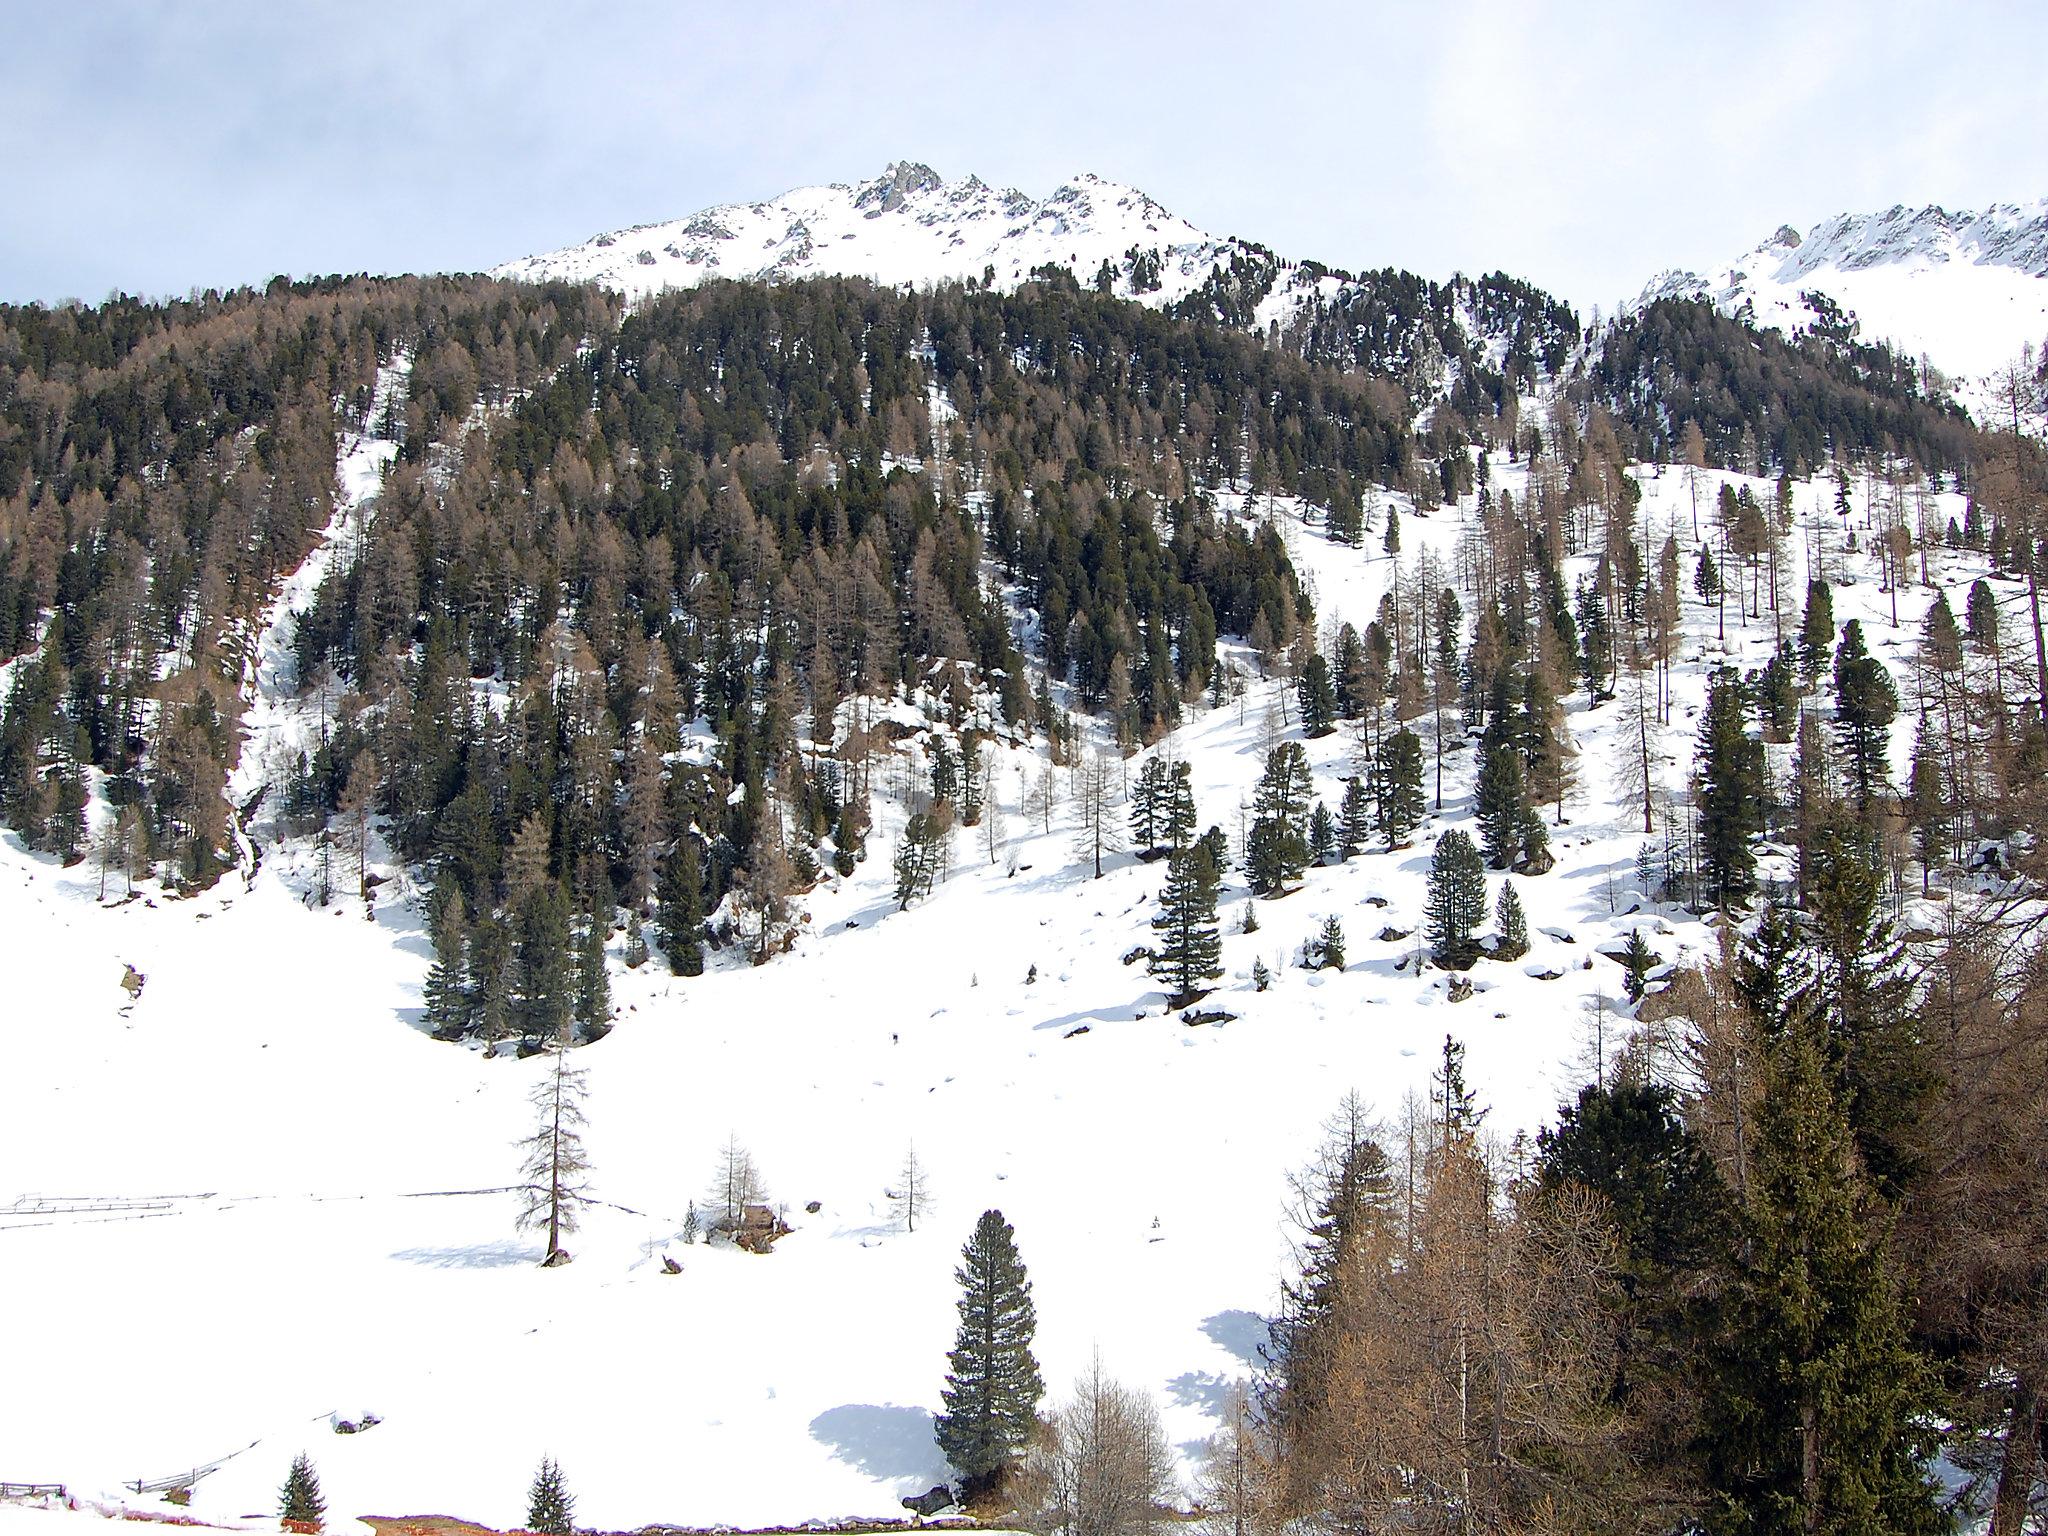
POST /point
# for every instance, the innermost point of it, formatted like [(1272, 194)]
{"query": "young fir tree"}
[(1397, 787), (1456, 901), (1354, 818), (1190, 949), (299, 1501), (1508, 823), (552, 1186), (1329, 944), (550, 1508), (1730, 791), (1636, 962), (992, 1382), (1818, 1415), (1177, 810), (1148, 794), (1512, 922)]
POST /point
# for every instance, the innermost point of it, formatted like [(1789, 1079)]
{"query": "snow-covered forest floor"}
[(257, 1198)]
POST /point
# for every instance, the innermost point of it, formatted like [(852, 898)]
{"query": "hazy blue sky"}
[(1583, 145)]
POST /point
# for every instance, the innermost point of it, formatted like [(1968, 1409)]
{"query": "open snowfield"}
[(260, 1196)]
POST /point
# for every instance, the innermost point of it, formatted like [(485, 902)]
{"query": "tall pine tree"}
[(992, 1382)]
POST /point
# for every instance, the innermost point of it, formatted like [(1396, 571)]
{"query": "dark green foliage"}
[(1322, 835), (1628, 1143), (1354, 816), (300, 1500), (1730, 791), (1637, 959), (1512, 942), (1510, 825), (1817, 1410), (1866, 703), (1317, 696), (1776, 687), (446, 992), (992, 1382), (679, 910), (1189, 948), (1329, 944), (1456, 902), (1397, 787), (1277, 848), (1873, 1045), (550, 1508), (593, 1006), (921, 855), (1816, 628)]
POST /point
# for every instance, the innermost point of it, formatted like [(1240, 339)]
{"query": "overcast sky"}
[(1583, 145)]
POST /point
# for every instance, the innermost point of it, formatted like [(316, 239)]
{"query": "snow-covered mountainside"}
[(909, 226), (1964, 290)]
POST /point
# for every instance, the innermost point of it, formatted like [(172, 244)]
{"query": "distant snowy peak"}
[(908, 225), (1965, 290)]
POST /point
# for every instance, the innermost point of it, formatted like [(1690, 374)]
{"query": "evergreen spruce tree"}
[(1456, 901), (593, 1006), (446, 992), (550, 1509), (679, 910), (1330, 944), (1322, 835), (1503, 804), (1391, 542), (1816, 629), (300, 1501), (1354, 818), (1636, 961), (1190, 947), (1397, 787), (992, 1383), (1818, 1415), (1177, 812), (1866, 703), (1277, 846), (1881, 1063), (1317, 696), (1147, 794), (1730, 791), (1512, 922)]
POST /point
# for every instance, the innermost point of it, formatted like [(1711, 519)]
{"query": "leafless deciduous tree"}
[(1100, 1466)]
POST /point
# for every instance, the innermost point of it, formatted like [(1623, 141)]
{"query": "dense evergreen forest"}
[(615, 644)]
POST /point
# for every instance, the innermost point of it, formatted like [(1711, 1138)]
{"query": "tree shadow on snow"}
[(499, 1255), (1243, 1334), (889, 1443)]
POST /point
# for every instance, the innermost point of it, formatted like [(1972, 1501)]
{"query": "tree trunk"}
[(2021, 1467)]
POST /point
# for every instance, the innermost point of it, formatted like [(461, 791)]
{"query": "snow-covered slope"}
[(1964, 290), (258, 1199)]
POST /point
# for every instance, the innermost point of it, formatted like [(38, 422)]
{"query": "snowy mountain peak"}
[(907, 225), (1964, 290)]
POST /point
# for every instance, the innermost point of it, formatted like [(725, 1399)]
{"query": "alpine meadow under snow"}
[(256, 1188)]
